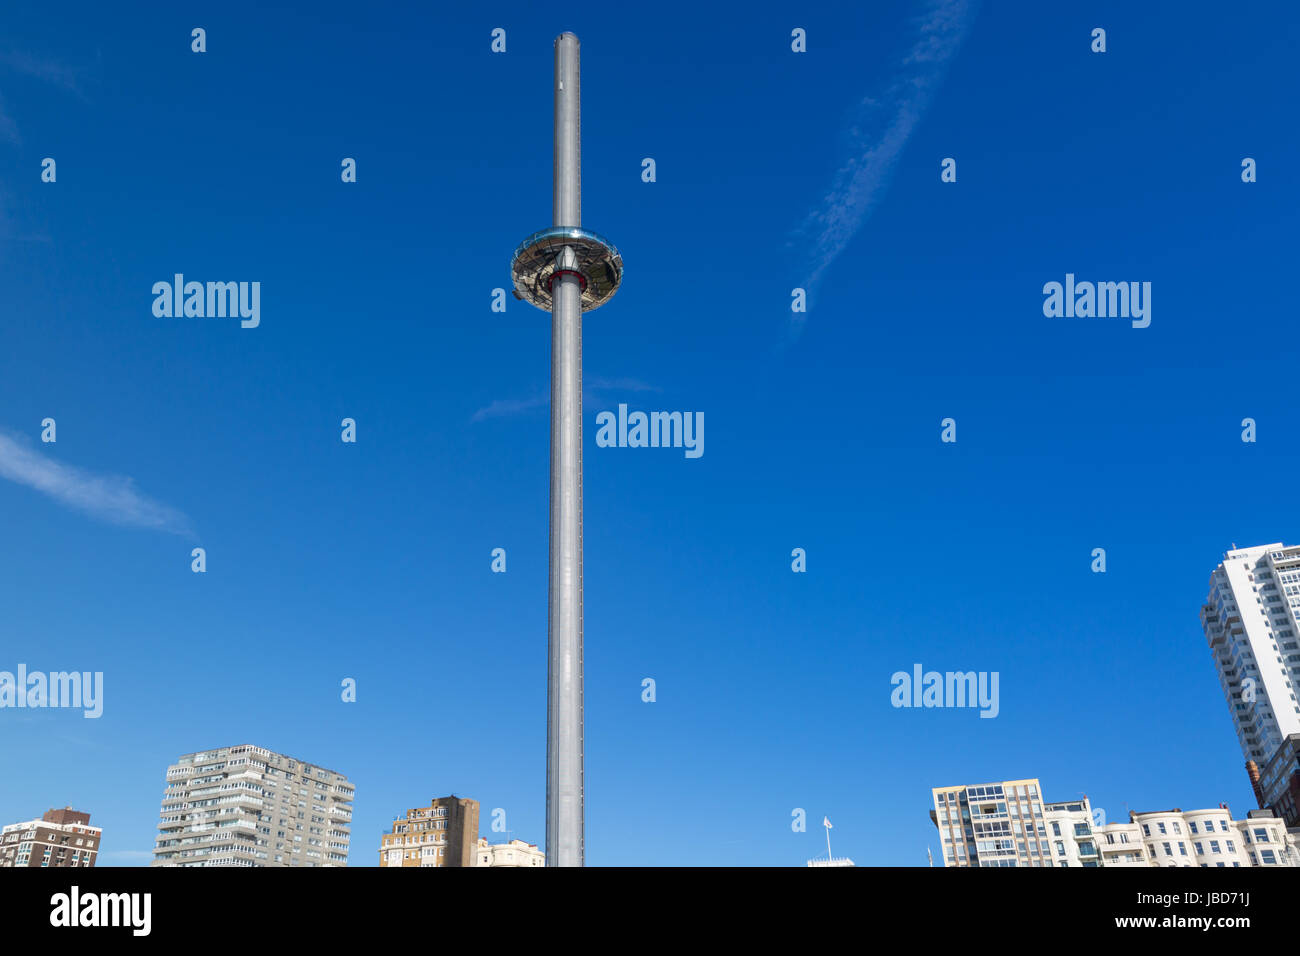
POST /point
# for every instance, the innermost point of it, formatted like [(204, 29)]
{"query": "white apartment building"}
[(1122, 844), (1070, 833), (1008, 824), (248, 806), (1207, 838), (514, 853), (1251, 620)]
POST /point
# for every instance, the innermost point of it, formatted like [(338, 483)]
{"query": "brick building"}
[(445, 833), (59, 838)]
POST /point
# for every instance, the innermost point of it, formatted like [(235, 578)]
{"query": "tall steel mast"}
[(569, 271)]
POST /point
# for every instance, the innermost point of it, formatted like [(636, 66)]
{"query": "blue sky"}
[(371, 561)]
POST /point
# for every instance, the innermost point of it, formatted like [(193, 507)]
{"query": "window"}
[(1214, 846), (1191, 825), (1162, 828), (1268, 857), (1182, 848), (1168, 851), (1199, 850), (1261, 836), (1056, 829)]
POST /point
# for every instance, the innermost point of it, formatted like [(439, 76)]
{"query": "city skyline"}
[(376, 561), (1009, 824)]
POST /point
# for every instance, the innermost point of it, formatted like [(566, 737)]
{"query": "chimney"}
[(1252, 771)]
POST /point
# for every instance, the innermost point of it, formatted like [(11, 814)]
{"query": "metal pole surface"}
[(564, 771)]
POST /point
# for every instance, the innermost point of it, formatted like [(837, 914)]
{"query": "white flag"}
[(827, 823)]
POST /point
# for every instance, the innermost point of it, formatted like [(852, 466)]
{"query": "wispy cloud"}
[(111, 498), (598, 384), (47, 70), (592, 394), (504, 407), (8, 128), (880, 128), (52, 72)]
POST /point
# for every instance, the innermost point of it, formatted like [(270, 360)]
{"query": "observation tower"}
[(566, 270)]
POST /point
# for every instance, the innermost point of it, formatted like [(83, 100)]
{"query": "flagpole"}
[(829, 858)]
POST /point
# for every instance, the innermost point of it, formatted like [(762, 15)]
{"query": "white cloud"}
[(111, 498), (591, 395), (878, 133), (503, 407), (45, 69), (8, 128), (598, 384)]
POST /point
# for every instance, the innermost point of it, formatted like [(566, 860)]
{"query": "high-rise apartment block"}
[(1251, 624), (248, 806), (992, 824), (59, 838), (445, 833)]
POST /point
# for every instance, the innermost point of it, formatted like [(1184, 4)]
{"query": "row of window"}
[(1208, 823)]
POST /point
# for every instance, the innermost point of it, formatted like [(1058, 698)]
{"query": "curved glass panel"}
[(536, 259)]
